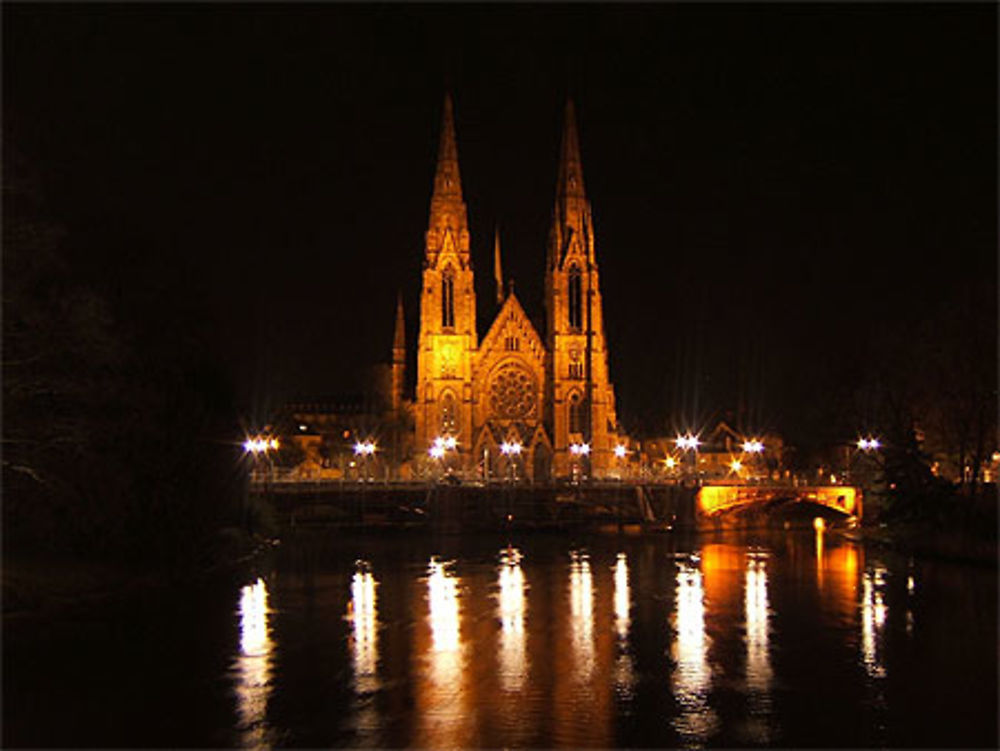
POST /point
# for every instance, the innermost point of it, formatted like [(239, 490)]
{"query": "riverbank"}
[(931, 541), (45, 586)]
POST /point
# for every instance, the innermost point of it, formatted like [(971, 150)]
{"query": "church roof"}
[(512, 314)]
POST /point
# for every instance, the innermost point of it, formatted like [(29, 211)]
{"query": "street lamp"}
[(690, 443), (620, 452), (364, 449), (440, 447), (258, 447), (510, 450), (579, 450)]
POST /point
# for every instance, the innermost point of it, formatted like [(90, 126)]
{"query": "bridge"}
[(448, 506), (715, 500)]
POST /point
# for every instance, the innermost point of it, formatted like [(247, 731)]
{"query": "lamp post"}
[(363, 450), (868, 446), (690, 443), (754, 448), (579, 450), (258, 447), (511, 450)]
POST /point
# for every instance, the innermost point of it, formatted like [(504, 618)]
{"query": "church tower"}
[(447, 341), (580, 403)]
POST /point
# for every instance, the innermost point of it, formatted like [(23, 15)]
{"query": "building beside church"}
[(546, 393)]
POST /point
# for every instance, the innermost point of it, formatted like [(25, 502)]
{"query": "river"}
[(770, 638)]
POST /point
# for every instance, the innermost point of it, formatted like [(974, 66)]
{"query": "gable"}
[(512, 331)]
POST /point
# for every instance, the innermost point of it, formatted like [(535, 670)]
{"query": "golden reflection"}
[(819, 550), (442, 693), (253, 666), (624, 670), (511, 606), (873, 617), (442, 595), (622, 599), (692, 675), (581, 598), (759, 674), (361, 612)]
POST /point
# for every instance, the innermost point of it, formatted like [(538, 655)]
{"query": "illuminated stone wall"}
[(515, 386)]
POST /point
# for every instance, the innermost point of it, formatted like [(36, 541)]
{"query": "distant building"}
[(721, 455)]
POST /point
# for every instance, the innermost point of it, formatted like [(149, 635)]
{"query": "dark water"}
[(770, 639)]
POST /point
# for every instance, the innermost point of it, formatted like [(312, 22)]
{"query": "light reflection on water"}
[(253, 683), (361, 612), (511, 610), (873, 617), (624, 666), (581, 599), (692, 675), (759, 672), (456, 653), (441, 696)]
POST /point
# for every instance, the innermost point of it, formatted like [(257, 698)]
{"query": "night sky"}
[(770, 184)]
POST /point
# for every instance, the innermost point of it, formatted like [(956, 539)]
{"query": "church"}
[(540, 405)]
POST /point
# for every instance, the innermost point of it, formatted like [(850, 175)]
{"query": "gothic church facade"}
[(550, 394)]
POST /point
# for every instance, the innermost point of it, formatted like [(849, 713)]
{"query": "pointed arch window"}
[(575, 414), (448, 298), (449, 414), (575, 298)]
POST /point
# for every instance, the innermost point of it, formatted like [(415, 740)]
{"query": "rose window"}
[(513, 394)]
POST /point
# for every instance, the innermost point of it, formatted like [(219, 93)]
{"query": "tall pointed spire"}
[(497, 268), (447, 181), (449, 224), (399, 336), (570, 180), (572, 230)]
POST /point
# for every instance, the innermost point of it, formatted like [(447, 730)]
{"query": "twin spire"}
[(448, 208)]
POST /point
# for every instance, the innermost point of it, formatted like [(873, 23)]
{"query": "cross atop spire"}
[(570, 180)]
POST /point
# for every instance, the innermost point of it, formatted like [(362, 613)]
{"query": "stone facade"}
[(544, 394)]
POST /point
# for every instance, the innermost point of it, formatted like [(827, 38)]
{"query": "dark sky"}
[(769, 182)]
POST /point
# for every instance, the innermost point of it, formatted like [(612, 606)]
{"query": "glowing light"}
[(869, 444), (873, 617), (579, 449), (620, 451), (735, 465), (450, 443), (692, 674), (581, 599), (436, 452), (818, 524), (362, 615), (753, 446), (442, 594), (687, 442), (253, 666), (442, 699), (510, 609), (759, 673), (671, 462), (364, 448), (622, 598), (510, 448)]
